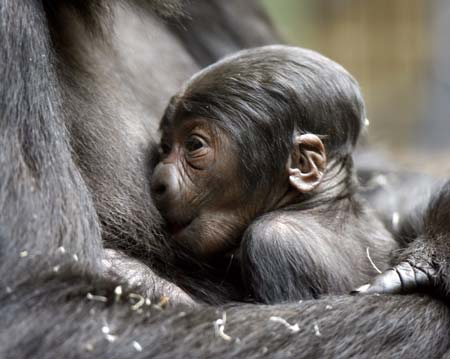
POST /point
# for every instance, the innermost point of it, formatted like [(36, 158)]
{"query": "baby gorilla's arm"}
[(283, 259)]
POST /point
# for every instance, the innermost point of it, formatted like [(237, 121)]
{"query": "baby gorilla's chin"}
[(204, 237), (191, 238), (177, 221)]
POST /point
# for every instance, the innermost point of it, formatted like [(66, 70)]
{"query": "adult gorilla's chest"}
[(116, 84)]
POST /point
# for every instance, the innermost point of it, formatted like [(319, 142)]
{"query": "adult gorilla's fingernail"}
[(361, 289)]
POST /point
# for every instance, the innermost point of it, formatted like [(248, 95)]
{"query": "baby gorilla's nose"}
[(164, 185), (159, 189)]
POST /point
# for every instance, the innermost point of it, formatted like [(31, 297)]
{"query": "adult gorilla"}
[(78, 108)]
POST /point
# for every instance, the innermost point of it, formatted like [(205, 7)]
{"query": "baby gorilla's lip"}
[(176, 228), (177, 222)]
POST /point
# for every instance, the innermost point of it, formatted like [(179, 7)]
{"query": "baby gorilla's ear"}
[(307, 163)]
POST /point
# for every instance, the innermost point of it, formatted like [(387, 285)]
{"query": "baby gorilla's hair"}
[(288, 120), (265, 96)]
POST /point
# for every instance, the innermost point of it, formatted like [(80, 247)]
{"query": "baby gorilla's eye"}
[(194, 143)]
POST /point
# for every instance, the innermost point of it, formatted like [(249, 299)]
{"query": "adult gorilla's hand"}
[(424, 263), (403, 278)]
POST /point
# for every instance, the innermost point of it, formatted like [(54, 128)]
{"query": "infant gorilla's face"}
[(200, 185), (197, 187)]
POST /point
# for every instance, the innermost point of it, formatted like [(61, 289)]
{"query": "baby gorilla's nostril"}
[(159, 189)]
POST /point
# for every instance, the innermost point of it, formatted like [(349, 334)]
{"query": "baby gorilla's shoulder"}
[(283, 226)]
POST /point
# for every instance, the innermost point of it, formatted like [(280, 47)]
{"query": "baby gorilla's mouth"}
[(176, 228), (177, 221)]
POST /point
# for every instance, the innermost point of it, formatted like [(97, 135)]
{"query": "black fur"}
[(208, 41), (55, 153)]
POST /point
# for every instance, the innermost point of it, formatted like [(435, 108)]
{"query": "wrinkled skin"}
[(196, 189)]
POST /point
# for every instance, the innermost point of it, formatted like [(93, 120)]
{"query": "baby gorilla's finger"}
[(404, 278), (136, 276)]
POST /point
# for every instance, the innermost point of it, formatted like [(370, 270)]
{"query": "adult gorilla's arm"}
[(56, 320)]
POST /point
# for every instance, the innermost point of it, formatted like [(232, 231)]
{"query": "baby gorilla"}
[(256, 161)]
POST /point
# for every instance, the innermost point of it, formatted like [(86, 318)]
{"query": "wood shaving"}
[(293, 328), (219, 328), (97, 298), (136, 346)]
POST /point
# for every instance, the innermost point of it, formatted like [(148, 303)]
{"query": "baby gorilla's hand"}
[(135, 275), (406, 277)]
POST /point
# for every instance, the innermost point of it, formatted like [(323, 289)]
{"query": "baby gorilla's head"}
[(251, 133)]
